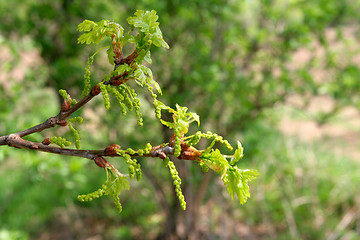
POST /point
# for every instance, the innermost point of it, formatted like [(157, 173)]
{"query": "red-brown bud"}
[(46, 141), (161, 155), (111, 150), (62, 123), (101, 162), (66, 105), (95, 90), (190, 153)]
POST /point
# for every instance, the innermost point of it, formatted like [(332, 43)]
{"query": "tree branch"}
[(14, 140), (57, 120), (64, 113)]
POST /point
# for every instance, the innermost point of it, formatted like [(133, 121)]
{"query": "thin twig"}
[(14, 140)]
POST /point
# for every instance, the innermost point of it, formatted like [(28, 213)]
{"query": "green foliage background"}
[(232, 62)]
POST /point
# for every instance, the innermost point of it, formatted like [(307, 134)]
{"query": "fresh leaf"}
[(145, 21), (168, 124), (194, 116), (123, 68), (239, 153), (98, 31), (86, 26), (147, 57), (158, 40), (110, 54), (236, 181), (161, 105), (215, 161)]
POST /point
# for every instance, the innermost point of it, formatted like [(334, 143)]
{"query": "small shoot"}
[(115, 183), (236, 180), (180, 124)]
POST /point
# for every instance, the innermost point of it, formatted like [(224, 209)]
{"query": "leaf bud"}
[(101, 162), (111, 150), (62, 123), (66, 105), (95, 90), (46, 141), (161, 155)]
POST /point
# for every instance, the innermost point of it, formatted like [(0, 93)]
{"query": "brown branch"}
[(162, 151), (14, 140), (57, 120), (65, 113)]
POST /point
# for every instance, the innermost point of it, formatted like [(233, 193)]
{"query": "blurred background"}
[(280, 76)]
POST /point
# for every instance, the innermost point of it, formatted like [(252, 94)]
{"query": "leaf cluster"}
[(115, 183), (115, 84), (180, 124), (97, 31), (149, 30), (126, 68), (235, 179)]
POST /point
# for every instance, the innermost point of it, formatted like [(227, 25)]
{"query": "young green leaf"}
[(158, 40), (215, 161), (168, 124), (145, 21), (147, 57), (86, 26), (239, 153), (194, 117), (110, 54), (95, 32), (236, 181)]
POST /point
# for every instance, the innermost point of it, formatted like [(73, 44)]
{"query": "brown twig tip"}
[(46, 141), (101, 162), (95, 90), (111, 150)]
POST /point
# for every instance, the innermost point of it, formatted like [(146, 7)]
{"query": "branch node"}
[(111, 150), (52, 121), (46, 141), (95, 90), (10, 140), (62, 123)]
